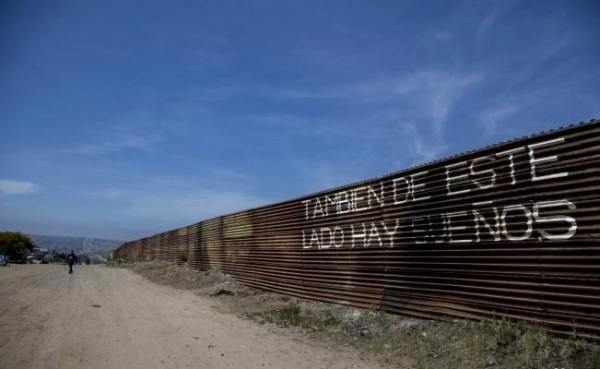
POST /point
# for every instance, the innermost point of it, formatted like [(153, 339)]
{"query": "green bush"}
[(13, 243)]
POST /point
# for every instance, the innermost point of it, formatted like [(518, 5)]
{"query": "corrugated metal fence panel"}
[(510, 230)]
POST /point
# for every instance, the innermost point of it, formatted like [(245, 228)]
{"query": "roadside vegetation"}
[(292, 315), (424, 344), (400, 342), (14, 244)]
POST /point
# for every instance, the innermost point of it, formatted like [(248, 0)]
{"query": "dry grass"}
[(292, 315), (487, 344)]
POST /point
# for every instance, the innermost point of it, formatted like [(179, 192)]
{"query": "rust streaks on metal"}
[(511, 230)]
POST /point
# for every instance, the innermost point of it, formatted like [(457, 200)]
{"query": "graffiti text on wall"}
[(482, 221)]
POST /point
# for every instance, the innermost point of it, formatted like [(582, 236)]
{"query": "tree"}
[(12, 243)]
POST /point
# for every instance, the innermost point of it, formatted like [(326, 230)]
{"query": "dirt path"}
[(104, 317)]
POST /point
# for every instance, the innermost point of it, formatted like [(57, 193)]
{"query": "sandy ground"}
[(104, 317)]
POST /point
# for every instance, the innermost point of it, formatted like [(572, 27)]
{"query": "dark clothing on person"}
[(71, 261)]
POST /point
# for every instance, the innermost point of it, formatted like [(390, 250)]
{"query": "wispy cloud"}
[(424, 99), (12, 187), (418, 107), (491, 119), (436, 88), (121, 139), (439, 91), (420, 145), (499, 8)]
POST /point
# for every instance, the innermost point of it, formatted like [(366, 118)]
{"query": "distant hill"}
[(78, 244)]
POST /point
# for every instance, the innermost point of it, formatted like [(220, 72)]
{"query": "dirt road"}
[(103, 317)]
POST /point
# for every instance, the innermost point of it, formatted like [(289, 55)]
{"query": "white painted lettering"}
[(314, 240), (555, 218), (525, 212), (373, 195), (341, 202), (444, 225), (420, 233), (395, 190), (340, 239), (326, 232), (318, 209), (455, 215), (306, 203), (391, 233), (329, 201), (304, 241), (414, 187), (362, 235), (511, 165), (373, 233), (547, 159), (478, 218), (490, 173), (356, 199), (450, 179)]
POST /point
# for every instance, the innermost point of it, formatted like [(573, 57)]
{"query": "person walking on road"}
[(71, 261)]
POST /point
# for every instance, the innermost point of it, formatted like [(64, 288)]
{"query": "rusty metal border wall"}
[(511, 230)]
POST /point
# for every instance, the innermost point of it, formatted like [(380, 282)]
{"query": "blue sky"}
[(121, 119)]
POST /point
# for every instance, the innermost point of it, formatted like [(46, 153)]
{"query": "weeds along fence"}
[(511, 230)]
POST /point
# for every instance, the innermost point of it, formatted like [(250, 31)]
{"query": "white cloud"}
[(12, 187)]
